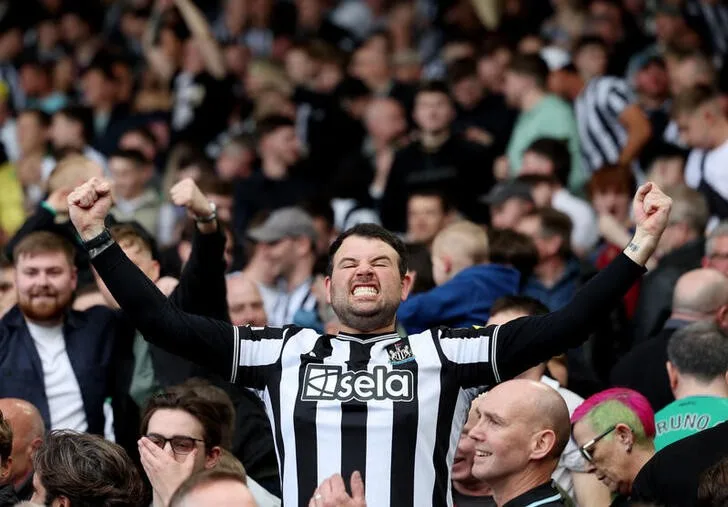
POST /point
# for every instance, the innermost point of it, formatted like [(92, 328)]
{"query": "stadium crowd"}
[(339, 253)]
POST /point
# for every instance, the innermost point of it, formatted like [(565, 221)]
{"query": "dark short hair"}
[(82, 115), (211, 414), (43, 242), (700, 350), (589, 40), (205, 389), (461, 69), (434, 86), (557, 152), (525, 304), (203, 479), (88, 470), (212, 184), (6, 439), (511, 248), (271, 123), (443, 196), (555, 223), (371, 231), (136, 157), (532, 66), (713, 485)]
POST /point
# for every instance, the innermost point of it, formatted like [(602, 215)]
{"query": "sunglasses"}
[(587, 449), (180, 444)]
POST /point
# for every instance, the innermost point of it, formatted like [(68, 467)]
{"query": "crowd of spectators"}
[(501, 140)]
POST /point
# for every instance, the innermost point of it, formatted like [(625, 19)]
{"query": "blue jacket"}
[(563, 290), (463, 301), (91, 347)]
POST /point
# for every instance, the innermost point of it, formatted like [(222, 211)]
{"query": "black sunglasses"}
[(180, 444), (587, 448)]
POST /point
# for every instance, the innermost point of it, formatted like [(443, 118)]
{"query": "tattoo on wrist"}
[(633, 247)]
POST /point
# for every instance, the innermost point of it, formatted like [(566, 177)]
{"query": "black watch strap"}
[(98, 241)]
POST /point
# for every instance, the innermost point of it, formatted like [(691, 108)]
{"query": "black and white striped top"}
[(389, 406), (598, 107), (714, 15)]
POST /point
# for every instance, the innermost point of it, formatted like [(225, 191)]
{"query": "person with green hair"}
[(615, 431)]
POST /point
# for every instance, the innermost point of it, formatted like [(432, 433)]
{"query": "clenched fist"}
[(651, 211), (88, 206), (187, 194)]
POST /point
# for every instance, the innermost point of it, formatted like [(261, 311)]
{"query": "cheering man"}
[(368, 399)]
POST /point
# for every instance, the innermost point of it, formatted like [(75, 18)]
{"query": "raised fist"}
[(88, 206), (187, 194), (651, 210)]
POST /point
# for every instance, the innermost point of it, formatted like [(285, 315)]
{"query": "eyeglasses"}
[(180, 444), (587, 448)]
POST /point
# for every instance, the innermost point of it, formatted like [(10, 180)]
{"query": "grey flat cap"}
[(292, 222)]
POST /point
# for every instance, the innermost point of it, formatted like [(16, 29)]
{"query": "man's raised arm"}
[(207, 342), (527, 341)]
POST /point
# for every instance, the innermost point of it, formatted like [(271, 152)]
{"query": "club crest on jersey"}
[(328, 382), (400, 353)]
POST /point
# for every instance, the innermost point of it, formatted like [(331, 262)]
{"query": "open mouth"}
[(365, 290), (482, 454)]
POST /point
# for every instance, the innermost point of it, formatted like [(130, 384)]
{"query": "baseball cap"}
[(291, 222), (507, 190)]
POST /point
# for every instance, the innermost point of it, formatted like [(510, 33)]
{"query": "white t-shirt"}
[(715, 172), (585, 230), (61, 386)]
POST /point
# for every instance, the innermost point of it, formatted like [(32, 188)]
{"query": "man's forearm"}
[(640, 248), (202, 289)]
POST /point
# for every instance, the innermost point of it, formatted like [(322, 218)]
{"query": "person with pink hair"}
[(615, 431)]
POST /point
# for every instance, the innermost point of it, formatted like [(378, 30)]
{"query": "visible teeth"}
[(365, 291), (482, 454)]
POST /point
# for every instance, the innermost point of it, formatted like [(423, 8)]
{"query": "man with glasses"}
[(181, 434), (522, 428), (615, 431)]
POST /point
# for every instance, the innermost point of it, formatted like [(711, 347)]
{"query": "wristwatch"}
[(209, 218), (98, 244)]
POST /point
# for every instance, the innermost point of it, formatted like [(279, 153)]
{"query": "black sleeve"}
[(205, 341), (525, 342), (393, 204), (201, 289)]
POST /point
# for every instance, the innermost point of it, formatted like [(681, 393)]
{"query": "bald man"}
[(523, 427), (700, 294), (245, 304), (211, 487), (28, 433)]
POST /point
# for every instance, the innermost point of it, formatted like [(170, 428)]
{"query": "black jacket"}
[(7, 496), (461, 169)]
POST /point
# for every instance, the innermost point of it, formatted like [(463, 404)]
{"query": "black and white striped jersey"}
[(597, 109), (389, 406)]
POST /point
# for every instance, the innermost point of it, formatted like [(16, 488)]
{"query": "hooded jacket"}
[(463, 301)]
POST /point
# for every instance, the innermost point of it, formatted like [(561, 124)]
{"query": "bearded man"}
[(57, 359)]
